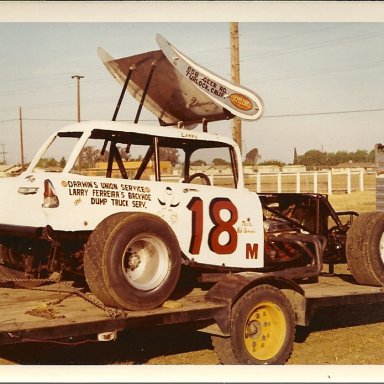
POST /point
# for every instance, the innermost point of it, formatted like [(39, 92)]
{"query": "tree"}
[(313, 158), (198, 162), (295, 157), (123, 153), (252, 156), (218, 161), (272, 162), (169, 154), (89, 155), (48, 162), (62, 162)]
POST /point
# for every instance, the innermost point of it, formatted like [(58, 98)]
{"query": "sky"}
[(321, 81)]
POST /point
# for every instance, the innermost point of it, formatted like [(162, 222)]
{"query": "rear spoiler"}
[(179, 91)]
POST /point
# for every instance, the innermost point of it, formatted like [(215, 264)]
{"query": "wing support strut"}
[(153, 67)]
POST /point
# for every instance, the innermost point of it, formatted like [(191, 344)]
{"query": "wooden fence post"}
[(329, 177), (315, 182), (361, 180), (349, 180), (298, 181), (258, 182), (279, 182)]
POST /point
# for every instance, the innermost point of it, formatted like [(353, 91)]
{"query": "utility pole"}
[(3, 153), (78, 77), (235, 72), (21, 138)]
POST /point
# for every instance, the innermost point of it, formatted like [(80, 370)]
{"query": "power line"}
[(9, 120), (264, 116), (324, 113), (6, 121), (72, 120), (311, 46)]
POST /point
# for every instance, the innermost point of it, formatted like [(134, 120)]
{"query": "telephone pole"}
[(21, 138), (235, 72), (3, 153), (78, 77)]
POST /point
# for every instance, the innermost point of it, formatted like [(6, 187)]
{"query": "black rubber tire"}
[(117, 254), (365, 248), (263, 327)]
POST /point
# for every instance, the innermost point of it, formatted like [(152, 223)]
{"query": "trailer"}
[(61, 311)]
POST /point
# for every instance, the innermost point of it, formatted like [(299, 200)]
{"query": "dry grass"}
[(355, 201)]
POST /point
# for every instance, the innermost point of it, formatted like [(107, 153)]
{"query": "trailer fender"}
[(229, 289)]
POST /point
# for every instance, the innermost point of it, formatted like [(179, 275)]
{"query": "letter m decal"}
[(251, 250)]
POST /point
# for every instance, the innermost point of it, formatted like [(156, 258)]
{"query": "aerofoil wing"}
[(179, 91)]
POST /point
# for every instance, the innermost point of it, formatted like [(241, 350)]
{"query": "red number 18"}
[(220, 226)]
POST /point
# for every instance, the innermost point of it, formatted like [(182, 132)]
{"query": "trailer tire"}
[(365, 248), (132, 261), (263, 327)]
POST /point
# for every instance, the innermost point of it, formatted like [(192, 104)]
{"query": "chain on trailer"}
[(111, 312)]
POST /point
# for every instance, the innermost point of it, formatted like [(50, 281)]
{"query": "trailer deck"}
[(57, 311)]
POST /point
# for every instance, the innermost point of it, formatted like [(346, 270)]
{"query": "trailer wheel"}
[(132, 261), (365, 248), (263, 327)]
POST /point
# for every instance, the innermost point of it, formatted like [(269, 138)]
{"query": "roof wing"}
[(176, 93), (240, 101)]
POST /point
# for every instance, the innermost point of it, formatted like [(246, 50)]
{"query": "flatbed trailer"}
[(60, 311)]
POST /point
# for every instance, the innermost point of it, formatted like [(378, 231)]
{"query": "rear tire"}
[(365, 248), (132, 261)]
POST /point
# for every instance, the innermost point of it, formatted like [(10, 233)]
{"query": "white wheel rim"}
[(381, 248), (145, 262)]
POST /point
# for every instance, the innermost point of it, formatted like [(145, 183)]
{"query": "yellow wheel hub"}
[(264, 331)]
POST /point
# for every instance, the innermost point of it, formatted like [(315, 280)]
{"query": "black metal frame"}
[(334, 252)]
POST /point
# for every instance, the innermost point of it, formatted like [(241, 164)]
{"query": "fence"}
[(312, 182), (316, 182)]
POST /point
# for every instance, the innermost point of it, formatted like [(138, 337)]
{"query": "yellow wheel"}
[(263, 327), (264, 331)]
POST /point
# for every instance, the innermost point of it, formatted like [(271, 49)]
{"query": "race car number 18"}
[(218, 242)]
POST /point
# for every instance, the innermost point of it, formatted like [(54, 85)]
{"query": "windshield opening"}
[(56, 155)]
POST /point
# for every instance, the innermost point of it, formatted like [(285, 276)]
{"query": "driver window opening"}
[(214, 164)]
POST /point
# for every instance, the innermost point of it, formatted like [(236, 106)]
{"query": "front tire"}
[(365, 248), (132, 261), (263, 327)]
